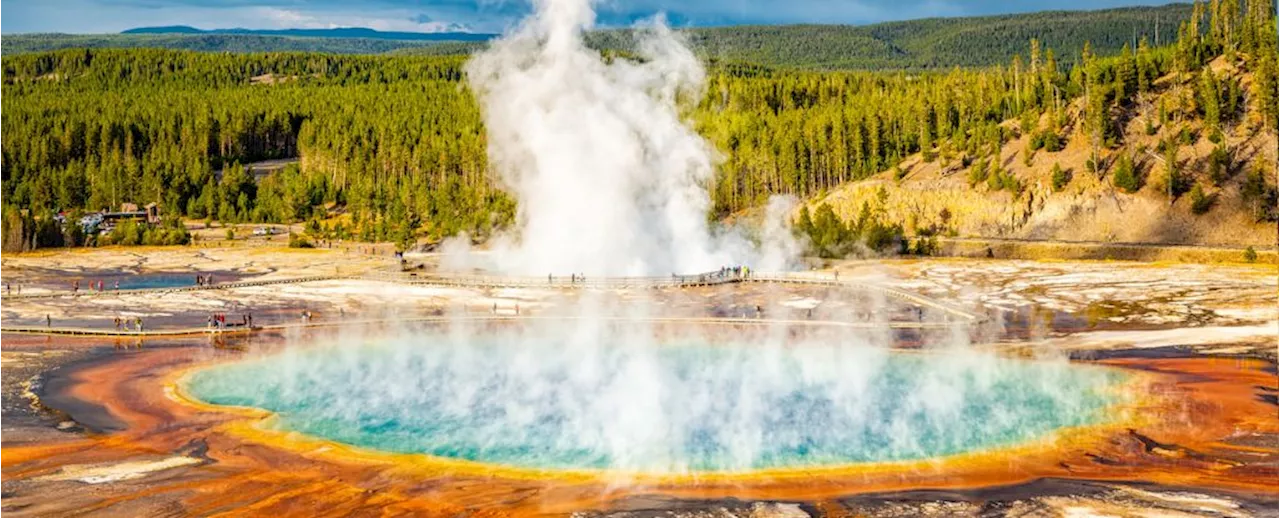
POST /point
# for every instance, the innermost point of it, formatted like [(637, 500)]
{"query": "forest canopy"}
[(396, 143)]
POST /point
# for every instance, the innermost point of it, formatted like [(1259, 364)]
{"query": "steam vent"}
[(601, 260)]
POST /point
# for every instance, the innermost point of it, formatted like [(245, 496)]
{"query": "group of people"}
[(8, 288), (128, 323), (98, 286), (573, 278), (204, 280), (219, 320)]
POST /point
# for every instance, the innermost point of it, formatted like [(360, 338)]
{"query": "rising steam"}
[(610, 179)]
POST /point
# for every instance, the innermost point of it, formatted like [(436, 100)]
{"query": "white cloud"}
[(391, 20)]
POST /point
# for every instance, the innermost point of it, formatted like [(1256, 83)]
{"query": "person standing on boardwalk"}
[(48, 320)]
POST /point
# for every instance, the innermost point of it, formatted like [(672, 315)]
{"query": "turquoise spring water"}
[(683, 407)]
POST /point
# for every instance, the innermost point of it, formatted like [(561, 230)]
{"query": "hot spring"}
[(684, 405)]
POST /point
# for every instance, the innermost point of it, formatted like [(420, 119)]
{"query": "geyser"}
[(611, 180), (686, 405)]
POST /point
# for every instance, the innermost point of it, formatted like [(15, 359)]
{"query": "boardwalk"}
[(196, 331), (955, 315)]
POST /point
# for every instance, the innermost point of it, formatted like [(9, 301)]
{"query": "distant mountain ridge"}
[(923, 44), (337, 32)]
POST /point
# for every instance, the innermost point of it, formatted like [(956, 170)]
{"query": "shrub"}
[(129, 233), (231, 233), (995, 180), (925, 246), (1045, 139), (978, 173), (1200, 202), (1060, 178), (1250, 255), (1125, 178), (299, 241), (1003, 180), (1219, 165), (1187, 136)]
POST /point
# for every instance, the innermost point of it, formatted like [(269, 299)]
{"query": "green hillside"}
[(940, 42), (916, 44), (396, 146)]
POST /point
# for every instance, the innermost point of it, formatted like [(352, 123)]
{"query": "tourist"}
[(8, 286), (250, 320), (75, 287), (208, 322), (117, 323), (139, 324), (48, 320), (117, 284), (837, 275)]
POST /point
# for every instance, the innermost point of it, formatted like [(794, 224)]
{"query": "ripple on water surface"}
[(684, 406)]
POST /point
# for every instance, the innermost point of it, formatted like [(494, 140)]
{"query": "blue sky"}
[(98, 16)]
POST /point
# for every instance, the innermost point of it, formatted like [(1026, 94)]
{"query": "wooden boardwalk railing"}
[(498, 282), (239, 330)]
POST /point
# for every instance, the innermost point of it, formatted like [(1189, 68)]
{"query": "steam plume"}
[(610, 178)]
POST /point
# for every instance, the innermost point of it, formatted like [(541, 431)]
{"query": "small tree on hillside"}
[(1210, 101), (1125, 178), (1200, 202), (1173, 181), (1060, 178)]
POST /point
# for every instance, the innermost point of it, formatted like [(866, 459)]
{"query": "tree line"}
[(393, 148)]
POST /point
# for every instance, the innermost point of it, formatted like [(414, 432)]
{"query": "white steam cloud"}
[(611, 180)]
